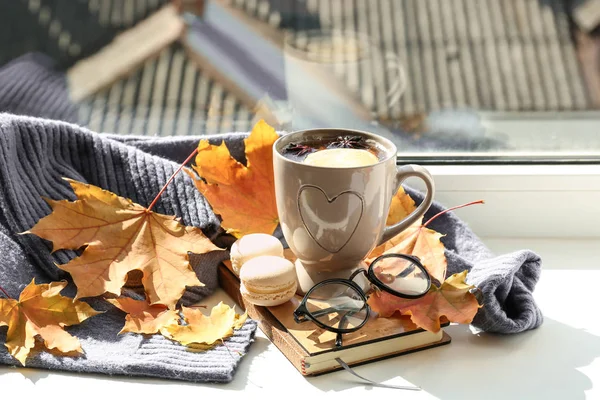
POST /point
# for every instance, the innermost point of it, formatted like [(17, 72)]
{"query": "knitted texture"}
[(35, 155), (29, 85), (506, 281)]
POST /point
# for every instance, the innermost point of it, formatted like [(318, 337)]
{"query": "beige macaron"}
[(251, 246), (268, 281)]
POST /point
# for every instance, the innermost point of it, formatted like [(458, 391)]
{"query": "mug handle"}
[(402, 173)]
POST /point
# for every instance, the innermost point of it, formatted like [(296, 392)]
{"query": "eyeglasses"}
[(340, 305)]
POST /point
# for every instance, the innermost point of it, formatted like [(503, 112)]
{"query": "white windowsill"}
[(546, 201), (559, 360)]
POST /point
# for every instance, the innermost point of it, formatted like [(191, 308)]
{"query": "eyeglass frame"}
[(302, 314)]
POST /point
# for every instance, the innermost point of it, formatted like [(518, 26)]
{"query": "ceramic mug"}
[(332, 218)]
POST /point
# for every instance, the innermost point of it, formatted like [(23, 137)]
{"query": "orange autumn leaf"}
[(420, 241), (42, 312), (416, 240), (205, 330), (143, 317), (452, 300), (243, 195), (120, 236)]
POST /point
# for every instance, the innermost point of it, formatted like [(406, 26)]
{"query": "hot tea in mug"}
[(333, 190), (336, 152)]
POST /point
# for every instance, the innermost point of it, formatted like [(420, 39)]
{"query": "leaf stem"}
[(171, 178), (4, 291), (229, 351), (450, 209)]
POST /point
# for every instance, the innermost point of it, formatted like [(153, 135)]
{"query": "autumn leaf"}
[(120, 236), (416, 240), (452, 300), (143, 317), (42, 311), (244, 196), (205, 330), (420, 241), (198, 329), (401, 207)]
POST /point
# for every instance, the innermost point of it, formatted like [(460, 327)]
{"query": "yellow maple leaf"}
[(143, 317), (120, 236), (42, 311), (205, 330), (400, 207), (243, 195), (453, 300)]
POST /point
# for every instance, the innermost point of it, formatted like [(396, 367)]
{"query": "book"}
[(312, 350)]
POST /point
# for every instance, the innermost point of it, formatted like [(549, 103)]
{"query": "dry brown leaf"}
[(143, 317), (42, 311), (244, 196), (120, 236), (452, 300), (205, 330)]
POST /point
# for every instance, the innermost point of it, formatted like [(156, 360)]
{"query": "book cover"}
[(312, 350)]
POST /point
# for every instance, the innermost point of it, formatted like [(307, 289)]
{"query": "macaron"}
[(268, 281), (251, 246)]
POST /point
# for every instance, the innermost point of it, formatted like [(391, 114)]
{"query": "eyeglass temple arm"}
[(328, 310), (343, 321), (300, 317), (405, 272)]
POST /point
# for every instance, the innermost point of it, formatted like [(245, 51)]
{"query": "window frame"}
[(543, 201)]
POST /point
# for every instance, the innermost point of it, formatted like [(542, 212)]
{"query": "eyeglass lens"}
[(401, 275), (337, 305)]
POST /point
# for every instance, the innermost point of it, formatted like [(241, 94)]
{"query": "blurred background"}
[(449, 81)]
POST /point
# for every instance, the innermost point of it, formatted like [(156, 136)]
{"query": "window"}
[(499, 99)]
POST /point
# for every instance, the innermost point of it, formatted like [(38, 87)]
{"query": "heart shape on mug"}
[(331, 222)]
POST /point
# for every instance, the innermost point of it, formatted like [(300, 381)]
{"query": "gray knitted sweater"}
[(35, 154)]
